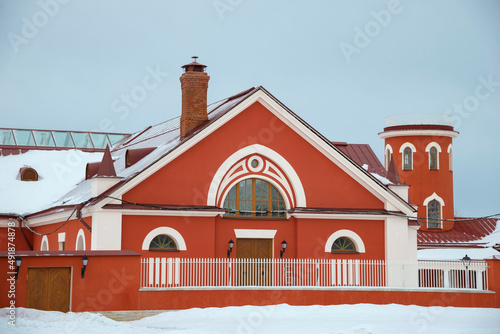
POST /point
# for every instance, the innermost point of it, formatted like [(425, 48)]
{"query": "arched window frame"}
[(254, 200), (172, 233), (402, 150), (434, 197), (351, 235), (450, 157), (388, 154), (80, 236), (437, 148), (44, 245), (175, 248)]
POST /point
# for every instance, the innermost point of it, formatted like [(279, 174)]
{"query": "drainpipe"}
[(20, 220), (79, 216)]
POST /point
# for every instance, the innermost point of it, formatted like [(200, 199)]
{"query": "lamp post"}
[(85, 261), (231, 245), (466, 261), (18, 265), (283, 248)]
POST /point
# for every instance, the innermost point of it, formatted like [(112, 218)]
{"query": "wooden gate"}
[(250, 273), (49, 289)]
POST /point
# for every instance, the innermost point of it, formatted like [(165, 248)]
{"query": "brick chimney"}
[(194, 86)]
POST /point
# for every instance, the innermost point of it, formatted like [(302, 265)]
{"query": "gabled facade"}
[(245, 173)]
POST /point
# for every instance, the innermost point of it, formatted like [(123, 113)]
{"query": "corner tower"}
[(422, 148)]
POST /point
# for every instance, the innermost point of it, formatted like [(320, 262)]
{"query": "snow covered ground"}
[(334, 319)]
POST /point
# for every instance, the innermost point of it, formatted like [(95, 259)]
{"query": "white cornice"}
[(169, 213), (404, 133), (343, 216)]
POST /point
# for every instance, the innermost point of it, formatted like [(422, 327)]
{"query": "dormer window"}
[(28, 174)]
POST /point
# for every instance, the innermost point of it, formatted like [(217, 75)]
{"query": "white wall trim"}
[(45, 242), (254, 234), (434, 196), (270, 154), (343, 216), (174, 234), (433, 144), (81, 234), (450, 156), (387, 147), (61, 237), (411, 133), (358, 242)]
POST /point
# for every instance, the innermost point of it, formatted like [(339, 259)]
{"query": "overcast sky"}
[(343, 66)]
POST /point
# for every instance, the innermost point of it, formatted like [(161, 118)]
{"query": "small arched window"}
[(343, 244), (433, 158), (45, 244), (407, 158), (254, 198), (433, 214), (387, 159), (450, 156), (162, 242), (28, 174)]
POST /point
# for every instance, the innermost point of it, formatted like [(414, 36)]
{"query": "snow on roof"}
[(59, 172), (62, 173), (447, 254)]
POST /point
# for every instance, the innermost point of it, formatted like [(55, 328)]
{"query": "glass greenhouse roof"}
[(59, 139)]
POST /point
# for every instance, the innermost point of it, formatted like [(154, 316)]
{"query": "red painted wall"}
[(186, 180), (425, 182), (71, 229), (110, 283)]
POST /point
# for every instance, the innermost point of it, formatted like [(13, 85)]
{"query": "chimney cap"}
[(194, 66)]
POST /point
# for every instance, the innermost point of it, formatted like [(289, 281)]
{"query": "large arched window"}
[(434, 214), (254, 198)]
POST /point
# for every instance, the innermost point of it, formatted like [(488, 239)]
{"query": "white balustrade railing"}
[(213, 273)]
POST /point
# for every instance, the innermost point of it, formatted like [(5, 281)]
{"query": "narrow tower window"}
[(433, 158), (408, 164), (433, 214)]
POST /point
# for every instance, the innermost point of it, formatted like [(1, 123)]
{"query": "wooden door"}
[(253, 272), (49, 289)]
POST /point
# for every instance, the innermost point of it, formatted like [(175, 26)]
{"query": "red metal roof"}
[(464, 233), (362, 154)]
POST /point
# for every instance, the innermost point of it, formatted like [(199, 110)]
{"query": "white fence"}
[(214, 273)]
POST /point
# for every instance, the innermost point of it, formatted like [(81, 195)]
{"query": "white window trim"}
[(450, 156), (80, 234), (402, 151), (438, 149), (174, 234), (61, 237), (434, 196), (387, 147), (281, 162), (353, 236), (45, 241)]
